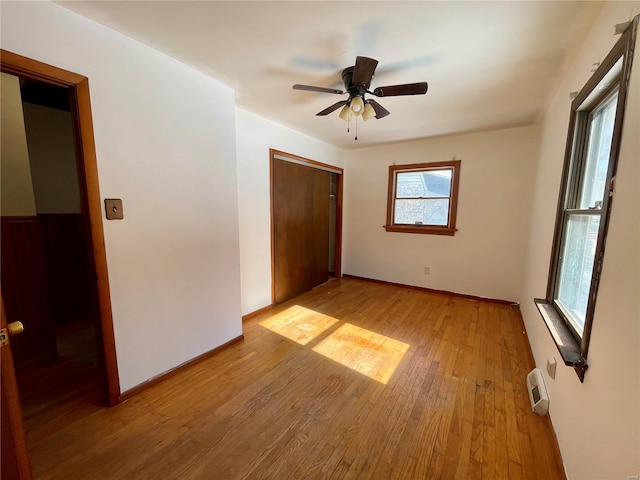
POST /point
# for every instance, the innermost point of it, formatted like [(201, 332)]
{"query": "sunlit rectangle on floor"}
[(364, 351), (299, 324)]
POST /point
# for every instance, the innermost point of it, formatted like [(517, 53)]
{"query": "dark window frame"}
[(450, 228), (572, 346)]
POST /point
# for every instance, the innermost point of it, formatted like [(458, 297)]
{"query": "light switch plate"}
[(113, 208)]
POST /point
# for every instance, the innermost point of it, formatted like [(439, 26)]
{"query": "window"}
[(423, 198), (584, 205)]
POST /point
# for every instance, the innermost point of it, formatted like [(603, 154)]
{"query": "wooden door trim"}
[(80, 104), (273, 153), (304, 161)]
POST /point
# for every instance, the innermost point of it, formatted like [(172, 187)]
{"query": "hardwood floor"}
[(54, 391), (454, 405)]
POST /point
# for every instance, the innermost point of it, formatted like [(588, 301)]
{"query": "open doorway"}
[(306, 224), (54, 272), (47, 279)]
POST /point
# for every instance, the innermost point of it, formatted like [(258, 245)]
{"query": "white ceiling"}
[(488, 64)]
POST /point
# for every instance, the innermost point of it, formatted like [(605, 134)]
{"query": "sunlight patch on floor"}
[(299, 324), (364, 351)]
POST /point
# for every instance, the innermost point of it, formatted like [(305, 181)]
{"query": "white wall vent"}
[(538, 395)]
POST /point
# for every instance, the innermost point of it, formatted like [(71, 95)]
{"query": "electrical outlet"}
[(633, 477), (427, 270)]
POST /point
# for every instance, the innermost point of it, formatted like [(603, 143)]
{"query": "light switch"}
[(113, 208)]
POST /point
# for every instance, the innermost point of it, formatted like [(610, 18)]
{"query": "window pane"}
[(597, 161), (431, 183), (425, 212), (576, 266)]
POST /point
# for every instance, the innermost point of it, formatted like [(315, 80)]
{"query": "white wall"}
[(165, 144), (255, 136), (17, 189), (485, 257), (52, 158), (598, 422)]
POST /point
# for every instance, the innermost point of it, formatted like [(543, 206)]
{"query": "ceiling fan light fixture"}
[(357, 81), (345, 113), (368, 112), (357, 106)]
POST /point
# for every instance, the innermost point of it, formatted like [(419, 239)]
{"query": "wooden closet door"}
[(300, 228), (319, 240)]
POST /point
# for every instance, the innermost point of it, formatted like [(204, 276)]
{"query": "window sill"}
[(565, 342), (421, 229)]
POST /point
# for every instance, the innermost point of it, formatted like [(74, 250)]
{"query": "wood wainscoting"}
[(25, 289), (68, 266)]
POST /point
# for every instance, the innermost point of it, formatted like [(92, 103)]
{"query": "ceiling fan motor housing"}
[(354, 90)]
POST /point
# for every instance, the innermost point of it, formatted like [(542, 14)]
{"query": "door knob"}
[(15, 328)]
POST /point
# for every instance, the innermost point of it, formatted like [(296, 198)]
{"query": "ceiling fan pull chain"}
[(356, 128)]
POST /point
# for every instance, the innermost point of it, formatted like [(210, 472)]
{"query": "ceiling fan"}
[(357, 81)]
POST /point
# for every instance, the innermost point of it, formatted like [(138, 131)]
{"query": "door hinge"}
[(4, 337)]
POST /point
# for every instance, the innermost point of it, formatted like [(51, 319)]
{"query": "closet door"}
[(300, 228), (319, 240)]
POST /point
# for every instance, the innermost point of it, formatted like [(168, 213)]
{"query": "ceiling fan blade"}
[(419, 88), (332, 108), (381, 112), (363, 72), (317, 89)]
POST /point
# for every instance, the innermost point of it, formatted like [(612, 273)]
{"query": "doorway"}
[(46, 267), (306, 224), (54, 273)]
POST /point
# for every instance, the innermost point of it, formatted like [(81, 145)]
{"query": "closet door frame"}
[(288, 157)]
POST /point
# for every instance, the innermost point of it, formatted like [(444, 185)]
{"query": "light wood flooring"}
[(454, 405)]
